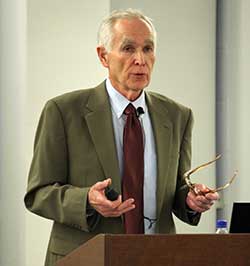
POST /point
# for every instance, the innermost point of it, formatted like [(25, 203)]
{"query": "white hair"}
[(105, 32)]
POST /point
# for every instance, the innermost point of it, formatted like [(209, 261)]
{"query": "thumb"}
[(102, 184)]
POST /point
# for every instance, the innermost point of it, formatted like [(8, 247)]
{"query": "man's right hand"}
[(98, 200)]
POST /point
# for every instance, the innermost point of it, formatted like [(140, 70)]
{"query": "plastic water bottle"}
[(221, 227)]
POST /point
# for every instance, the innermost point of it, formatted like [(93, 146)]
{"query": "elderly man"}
[(115, 136)]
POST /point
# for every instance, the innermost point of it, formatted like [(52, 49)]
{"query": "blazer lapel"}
[(162, 128), (97, 113)]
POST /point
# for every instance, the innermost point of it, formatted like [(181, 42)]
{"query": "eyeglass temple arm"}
[(188, 173), (227, 184)]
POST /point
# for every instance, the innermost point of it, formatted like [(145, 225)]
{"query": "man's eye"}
[(128, 49), (148, 49)]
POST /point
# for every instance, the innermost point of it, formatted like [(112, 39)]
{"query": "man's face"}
[(131, 59)]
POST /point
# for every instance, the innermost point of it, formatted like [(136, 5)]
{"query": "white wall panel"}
[(61, 57)]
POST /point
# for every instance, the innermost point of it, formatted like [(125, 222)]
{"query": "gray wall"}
[(61, 40), (12, 94), (233, 94)]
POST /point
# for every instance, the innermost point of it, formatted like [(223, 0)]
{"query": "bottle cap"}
[(221, 224)]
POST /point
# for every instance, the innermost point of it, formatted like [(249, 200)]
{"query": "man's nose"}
[(139, 58)]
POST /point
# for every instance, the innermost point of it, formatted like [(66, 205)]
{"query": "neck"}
[(130, 94)]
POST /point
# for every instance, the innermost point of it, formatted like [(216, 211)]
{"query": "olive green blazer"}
[(75, 148)]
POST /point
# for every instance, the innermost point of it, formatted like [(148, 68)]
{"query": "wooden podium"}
[(162, 250)]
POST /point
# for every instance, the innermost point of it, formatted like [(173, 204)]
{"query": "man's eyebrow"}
[(129, 41), (149, 42)]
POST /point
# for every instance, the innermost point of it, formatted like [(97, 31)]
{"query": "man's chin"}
[(139, 85)]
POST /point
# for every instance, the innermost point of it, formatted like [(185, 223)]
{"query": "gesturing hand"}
[(202, 201), (107, 208)]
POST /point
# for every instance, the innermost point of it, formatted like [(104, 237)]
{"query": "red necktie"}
[(133, 175)]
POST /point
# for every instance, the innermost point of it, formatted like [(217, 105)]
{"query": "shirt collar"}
[(119, 102)]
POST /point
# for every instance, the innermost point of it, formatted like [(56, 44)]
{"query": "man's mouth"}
[(139, 74)]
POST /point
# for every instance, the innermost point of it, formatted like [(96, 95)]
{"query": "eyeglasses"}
[(198, 168)]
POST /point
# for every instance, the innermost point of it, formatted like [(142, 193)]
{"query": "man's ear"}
[(103, 55)]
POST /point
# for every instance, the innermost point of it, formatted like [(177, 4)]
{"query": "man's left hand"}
[(203, 200)]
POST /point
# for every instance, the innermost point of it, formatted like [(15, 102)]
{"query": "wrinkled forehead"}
[(128, 30)]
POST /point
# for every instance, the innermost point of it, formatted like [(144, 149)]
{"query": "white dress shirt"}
[(118, 104)]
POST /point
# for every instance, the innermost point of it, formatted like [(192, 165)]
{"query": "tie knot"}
[(130, 109)]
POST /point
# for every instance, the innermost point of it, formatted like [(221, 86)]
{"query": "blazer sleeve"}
[(49, 193), (181, 209)]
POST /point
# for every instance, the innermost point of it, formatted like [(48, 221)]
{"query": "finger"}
[(120, 209), (198, 207), (111, 205), (117, 213), (118, 206), (99, 201), (127, 209), (212, 196), (198, 203), (203, 205), (107, 206), (200, 210), (117, 202), (192, 205), (201, 188), (104, 205), (202, 200), (127, 203), (194, 197)]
